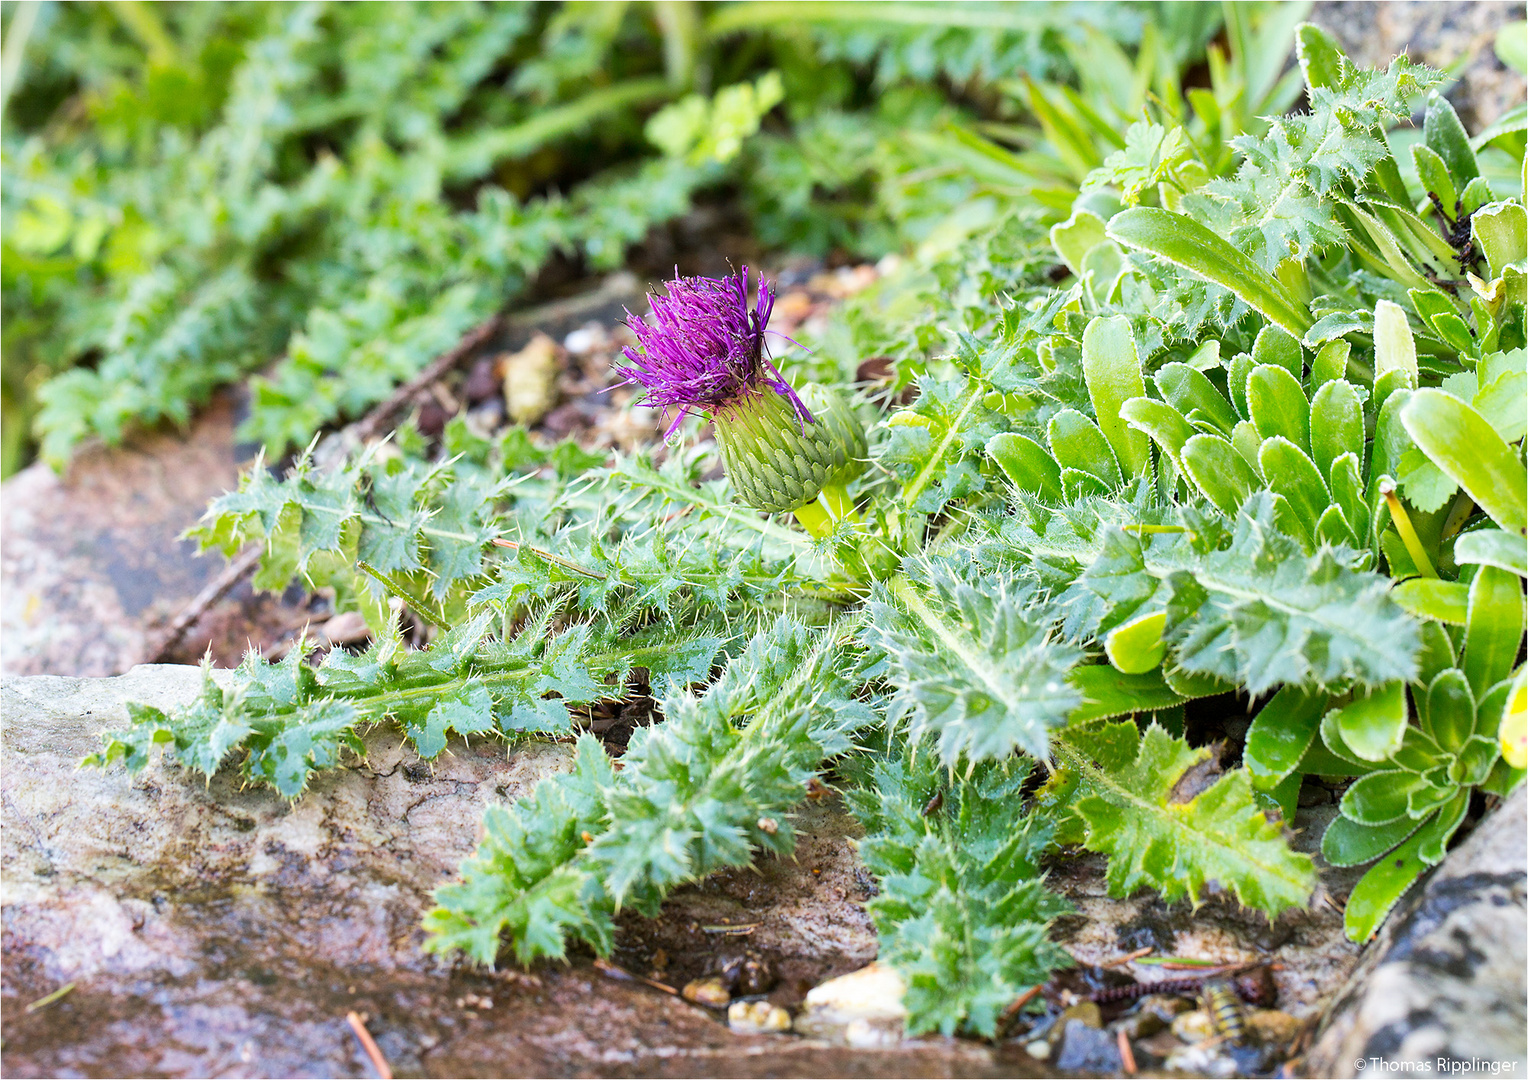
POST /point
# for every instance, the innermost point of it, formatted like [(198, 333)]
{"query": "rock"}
[(212, 930), (1436, 32), (757, 1017), (93, 567), (1194, 1026), (1086, 1048), (1085, 1012), (1155, 1013), (1272, 1027), (587, 338), (710, 992), (530, 380), (863, 1008), (1444, 979), (1202, 1061)]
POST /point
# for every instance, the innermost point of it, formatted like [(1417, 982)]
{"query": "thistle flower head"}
[(704, 348)]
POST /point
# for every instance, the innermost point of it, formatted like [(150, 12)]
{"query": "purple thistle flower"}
[(704, 349)]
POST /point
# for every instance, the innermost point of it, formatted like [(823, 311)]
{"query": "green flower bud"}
[(777, 461)]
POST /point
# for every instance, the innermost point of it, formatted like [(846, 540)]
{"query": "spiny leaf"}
[(1148, 803), (971, 667), (963, 910)]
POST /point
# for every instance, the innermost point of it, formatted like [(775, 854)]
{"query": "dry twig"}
[(369, 1044)]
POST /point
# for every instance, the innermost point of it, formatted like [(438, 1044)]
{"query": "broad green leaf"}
[(1189, 390), (1395, 349), (1112, 371), (1077, 443), (1462, 443), (1433, 174), (1450, 710), (1163, 423), (1500, 232), (1433, 598), (1476, 194), (1372, 725), (1108, 692), (1076, 236), (1278, 405), (1381, 797), (1493, 632), (1321, 58), (1236, 381), (1288, 472), (1281, 733), (1443, 133), (1028, 464), (1331, 363), (1346, 485), (1219, 472), (1136, 647), (1293, 523), (1386, 882), (1332, 528), (1439, 831), (1438, 652), (1336, 424), (1274, 346), (1347, 843), (1185, 242)]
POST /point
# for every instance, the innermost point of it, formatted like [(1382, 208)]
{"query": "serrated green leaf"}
[(1156, 834), (970, 669)]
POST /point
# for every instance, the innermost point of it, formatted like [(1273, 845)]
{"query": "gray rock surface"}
[(212, 931), (1436, 32), (91, 562), (1445, 977)]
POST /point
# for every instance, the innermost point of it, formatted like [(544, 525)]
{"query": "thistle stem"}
[(815, 519), (821, 516)]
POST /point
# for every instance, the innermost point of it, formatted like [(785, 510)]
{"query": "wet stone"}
[(1088, 1049)]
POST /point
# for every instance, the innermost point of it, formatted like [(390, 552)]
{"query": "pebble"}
[(1272, 1027), (757, 1017), (346, 628), (1085, 1048), (530, 380), (586, 339), (1155, 1013), (710, 992), (863, 1008), (1086, 1012), (1201, 1061), (1193, 1027)]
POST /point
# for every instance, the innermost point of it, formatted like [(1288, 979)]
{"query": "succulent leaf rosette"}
[(704, 352)]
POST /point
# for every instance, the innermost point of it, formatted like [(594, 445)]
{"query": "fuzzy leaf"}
[(1151, 809), (970, 666)]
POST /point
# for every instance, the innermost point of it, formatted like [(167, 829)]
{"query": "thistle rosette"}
[(703, 351)]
